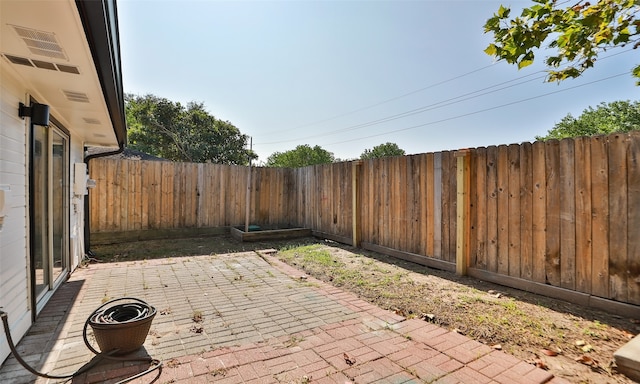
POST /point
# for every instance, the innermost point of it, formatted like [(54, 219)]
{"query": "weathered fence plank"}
[(600, 217), (514, 197), (617, 156), (583, 243), (539, 212), (492, 209), (480, 197), (552, 257), (633, 225), (502, 187), (526, 211), (567, 215)]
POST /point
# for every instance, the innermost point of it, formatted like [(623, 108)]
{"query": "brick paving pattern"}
[(248, 318)]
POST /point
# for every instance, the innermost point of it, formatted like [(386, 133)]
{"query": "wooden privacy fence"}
[(556, 217)]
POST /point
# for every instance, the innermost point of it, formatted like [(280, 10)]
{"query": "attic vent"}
[(19, 60), (41, 43), (68, 69), (44, 64), (76, 96), (90, 120)]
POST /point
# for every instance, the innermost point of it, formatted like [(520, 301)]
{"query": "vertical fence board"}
[(633, 209), (567, 215), (445, 203), (428, 200), (401, 186), (122, 214), (453, 204), (480, 198), (503, 209), (177, 195), (472, 220), (582, 170), (552, 261), (514, 196), (420, 204), (600, 217), (492, 209), (111, 195), (617, 155), (526, 211), (437, 205), (413, 234), (539, 212)]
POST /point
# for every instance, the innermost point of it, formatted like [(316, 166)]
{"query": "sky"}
[(351, 75)]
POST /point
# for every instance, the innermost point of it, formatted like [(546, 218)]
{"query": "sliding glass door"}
[(49, 210)]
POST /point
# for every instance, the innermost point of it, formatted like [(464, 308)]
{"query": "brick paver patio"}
[(262, 322)]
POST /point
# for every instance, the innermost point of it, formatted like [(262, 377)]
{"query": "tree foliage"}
[(301, 156), (576, 34), (382, 150), (618, 116), (166, 129)]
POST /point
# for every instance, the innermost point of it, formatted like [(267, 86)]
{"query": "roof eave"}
[(100, 22)]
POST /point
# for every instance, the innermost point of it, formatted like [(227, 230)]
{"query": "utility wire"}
[(436, 105), (381, 102), (426, 108), (479, 111)]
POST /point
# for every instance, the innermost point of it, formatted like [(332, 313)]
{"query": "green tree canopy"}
[(382, 150), (166, 129), (618, 116), (301, 156), (576, 33)]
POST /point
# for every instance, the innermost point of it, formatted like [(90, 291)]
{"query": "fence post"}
[(463, 178), (355, 190)]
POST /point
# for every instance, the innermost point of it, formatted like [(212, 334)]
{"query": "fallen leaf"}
[(549, 352), (586, 360), (497, 347), (458, 331), (587, 348), (540, 364), (173, 363), (580, 343), (348, 359)]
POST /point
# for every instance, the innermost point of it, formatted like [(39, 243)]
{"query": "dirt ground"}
[(572, 342)]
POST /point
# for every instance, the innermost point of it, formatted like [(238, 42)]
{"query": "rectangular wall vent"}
[(43, 64), (76, 96), (41, 43), (19, 60), (68, 69), (92, 121)]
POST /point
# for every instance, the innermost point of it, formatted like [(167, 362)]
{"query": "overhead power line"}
[(479, 111)]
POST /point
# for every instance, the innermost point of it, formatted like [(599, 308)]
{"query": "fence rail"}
[(563, 214)]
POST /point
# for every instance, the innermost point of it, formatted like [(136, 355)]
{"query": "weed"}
[(197, 316)]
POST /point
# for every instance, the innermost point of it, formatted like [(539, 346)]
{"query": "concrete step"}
[(627, 359)]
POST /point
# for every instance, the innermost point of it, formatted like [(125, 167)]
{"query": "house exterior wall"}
[(14, 275), (14, 235)]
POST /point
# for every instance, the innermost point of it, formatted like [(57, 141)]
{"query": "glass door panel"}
[(59, 199), (39, 193), (50, 209)]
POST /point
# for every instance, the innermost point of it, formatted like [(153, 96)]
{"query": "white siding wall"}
[(14, 256), (14, 292)]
